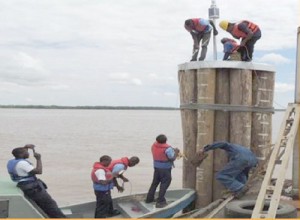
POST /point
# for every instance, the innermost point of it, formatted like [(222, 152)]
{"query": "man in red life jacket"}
[(247, 31), (103, 183), (163, 156), (200, 29), (24, 174), (230, 49), (119, 166)]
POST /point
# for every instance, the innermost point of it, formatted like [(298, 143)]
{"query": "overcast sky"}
[(125, 52)]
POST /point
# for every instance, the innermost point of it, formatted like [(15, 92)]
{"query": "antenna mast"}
[(213, 14)]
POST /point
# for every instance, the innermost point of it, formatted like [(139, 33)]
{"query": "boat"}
[(13, 204)]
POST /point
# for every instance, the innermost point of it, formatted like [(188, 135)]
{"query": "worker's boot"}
[(239, 194), (161, 204)]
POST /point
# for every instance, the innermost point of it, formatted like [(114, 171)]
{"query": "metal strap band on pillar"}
[(225, 107)]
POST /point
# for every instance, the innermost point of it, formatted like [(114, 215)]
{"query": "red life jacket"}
[(97, 166), (240, 34), (158, 151), (123, 160), (198, 26)]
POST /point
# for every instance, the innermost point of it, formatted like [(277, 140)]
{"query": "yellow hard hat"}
[(224, 24)]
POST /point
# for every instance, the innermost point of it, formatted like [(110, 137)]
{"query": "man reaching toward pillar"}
[(234, 175)]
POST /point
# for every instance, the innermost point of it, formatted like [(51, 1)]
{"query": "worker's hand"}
[(124, 179), (115, 175), (201, 151), (216, 32), (37, 156), (176, 150), (29, 146), (120, 188)]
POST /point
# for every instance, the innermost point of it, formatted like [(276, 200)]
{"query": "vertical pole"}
[(296, 153), (213, 14), (297, 83), (215, 43)]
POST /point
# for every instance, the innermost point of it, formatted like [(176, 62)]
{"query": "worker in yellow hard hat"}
[(245, 30)]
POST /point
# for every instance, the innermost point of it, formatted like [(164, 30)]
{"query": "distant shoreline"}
[(97, 107), (89, 107)]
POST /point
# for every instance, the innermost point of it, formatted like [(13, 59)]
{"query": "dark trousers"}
[(36, 191), (104, 204), (247, 51), (204, 38), (162, 177)]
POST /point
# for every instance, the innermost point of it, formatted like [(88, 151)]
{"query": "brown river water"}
[(70, 141)]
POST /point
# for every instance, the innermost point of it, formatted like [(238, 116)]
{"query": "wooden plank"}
[(261, 129), (205, 120), (240, 94), (221, 128), (220, 207), (188, 94)]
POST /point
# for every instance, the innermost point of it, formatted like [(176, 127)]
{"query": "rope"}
[(123, 184), (226, 107)]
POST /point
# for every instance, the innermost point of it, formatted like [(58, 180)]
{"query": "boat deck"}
[(13, 204)]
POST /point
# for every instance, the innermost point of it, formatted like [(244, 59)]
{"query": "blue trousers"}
[(235, 174)]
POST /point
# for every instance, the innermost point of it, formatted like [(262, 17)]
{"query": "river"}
[(70, 141)]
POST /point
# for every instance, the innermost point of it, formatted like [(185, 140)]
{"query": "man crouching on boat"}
[(22, 172), (119, 166), (102, 179)]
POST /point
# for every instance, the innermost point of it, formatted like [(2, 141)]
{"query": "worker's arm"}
[(215, 145), (123, 178), (102, 178), (39, 167), (119, 188), (244, 28), (172, 153), (226, 56), (214, 27)]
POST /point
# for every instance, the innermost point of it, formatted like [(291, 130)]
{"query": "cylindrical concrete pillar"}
[(221, 101)]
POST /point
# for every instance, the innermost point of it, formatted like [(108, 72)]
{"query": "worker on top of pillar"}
[(234, 175), (200, 30), (247, 31), (231, 49)]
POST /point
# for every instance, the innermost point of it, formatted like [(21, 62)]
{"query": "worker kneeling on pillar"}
[(247, 31), (231, 49), (200, 29), (235, 173)]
